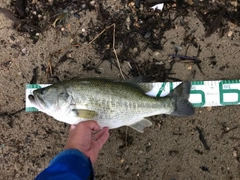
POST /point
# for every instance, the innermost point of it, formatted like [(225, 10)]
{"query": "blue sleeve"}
[(69, 164)]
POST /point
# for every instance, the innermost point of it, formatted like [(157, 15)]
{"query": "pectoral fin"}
[(139, 126), (85, 114)]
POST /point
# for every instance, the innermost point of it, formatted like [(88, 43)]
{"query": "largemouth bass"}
[(111, 104)]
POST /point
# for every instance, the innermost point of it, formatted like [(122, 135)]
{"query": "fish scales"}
[(102, 98), (112, 104)]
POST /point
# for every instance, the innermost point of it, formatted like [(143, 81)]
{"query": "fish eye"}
[(42, 91)]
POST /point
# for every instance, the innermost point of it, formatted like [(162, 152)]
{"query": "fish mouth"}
[(36, 101)]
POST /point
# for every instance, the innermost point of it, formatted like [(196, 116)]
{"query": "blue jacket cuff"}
[(69, 164)]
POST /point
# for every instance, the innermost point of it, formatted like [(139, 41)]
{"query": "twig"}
[(58, 52), (101, 33), (11, 113), (114, 50), (50, 68), (202, 138), (126, 135)]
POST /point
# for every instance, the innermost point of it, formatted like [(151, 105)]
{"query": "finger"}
[(99, 133), (90, 125), (103, 138)]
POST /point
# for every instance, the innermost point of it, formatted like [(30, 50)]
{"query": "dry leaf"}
[(209, 108), (59, 17)]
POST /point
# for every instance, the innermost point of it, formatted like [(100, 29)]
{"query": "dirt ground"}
[(169, 149)]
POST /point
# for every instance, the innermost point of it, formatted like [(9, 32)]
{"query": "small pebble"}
[(50, 2), (12, 38), (156, 53), (190, 2), (69, 55), (178, 48), (18, 166), (189, 67), (128, 23), (24, 51), (76, 15), (135, 49), (160, 63), (132, 4), (27, 10), (235, 153), (230, 33), (234, 3), (92, 3), (147, 35), (65, 33)]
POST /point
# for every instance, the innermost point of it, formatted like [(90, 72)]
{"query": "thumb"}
[(72, 127)]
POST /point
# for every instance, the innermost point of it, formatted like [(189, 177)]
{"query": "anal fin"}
[(140, 125)]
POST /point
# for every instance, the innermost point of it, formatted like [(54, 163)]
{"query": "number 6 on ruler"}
[(228, 96), (196, 94)]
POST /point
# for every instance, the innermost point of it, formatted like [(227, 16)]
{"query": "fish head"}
[(50, 99)]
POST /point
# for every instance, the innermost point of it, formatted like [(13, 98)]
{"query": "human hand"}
[(88, 138)]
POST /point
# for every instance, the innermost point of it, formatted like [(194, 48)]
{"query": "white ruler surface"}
[(203, 93)]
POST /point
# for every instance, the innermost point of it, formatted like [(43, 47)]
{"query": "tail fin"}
[(180, 95)]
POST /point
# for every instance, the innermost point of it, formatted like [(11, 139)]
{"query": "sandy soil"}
[(170, 149)]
